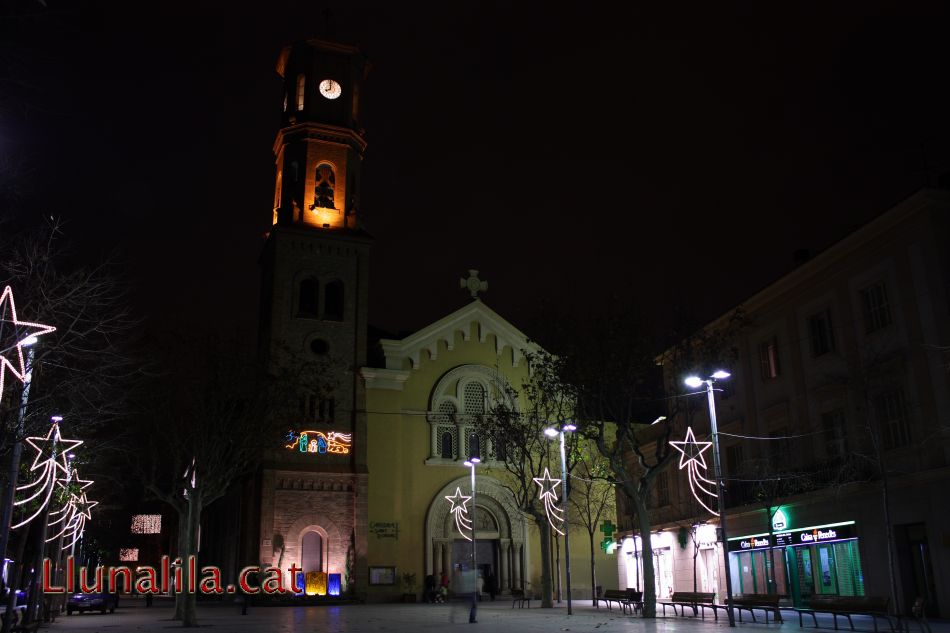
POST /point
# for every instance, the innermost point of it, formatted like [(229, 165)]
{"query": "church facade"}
[(357, 490)]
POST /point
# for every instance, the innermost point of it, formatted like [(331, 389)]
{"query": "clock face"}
[(330, 89)]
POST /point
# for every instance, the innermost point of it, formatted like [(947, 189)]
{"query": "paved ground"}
[(497, 617)]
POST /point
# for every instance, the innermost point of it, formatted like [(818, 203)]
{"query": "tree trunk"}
[(557, 565), (593, 570), (695, 554), (190, 612), (182, 548), (649, 578), (545, 530)]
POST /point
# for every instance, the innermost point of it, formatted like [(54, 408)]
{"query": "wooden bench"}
[(625, 599), (874, 606), (519, 597), (750, 602), (691, 599)]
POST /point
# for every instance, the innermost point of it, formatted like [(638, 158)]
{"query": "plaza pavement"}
[(493, 617)]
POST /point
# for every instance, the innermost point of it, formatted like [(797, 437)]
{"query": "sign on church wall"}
[(384, 529), (318, 442)]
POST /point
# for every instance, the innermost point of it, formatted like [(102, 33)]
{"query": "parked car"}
[(101, 602)]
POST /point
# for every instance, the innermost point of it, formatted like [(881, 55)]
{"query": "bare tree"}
[(592, 497), (527, 453)]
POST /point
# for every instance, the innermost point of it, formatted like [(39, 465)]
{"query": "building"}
[(357, 490), (841, 373)]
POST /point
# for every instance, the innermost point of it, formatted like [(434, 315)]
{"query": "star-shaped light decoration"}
[(48, 468), (22, 332), (548, 494), (459, 508), (693, 462)]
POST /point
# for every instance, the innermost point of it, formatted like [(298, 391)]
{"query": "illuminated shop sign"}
[(804, 536), (332, 442)]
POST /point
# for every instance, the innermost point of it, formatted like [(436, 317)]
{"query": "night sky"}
[(566, 151)]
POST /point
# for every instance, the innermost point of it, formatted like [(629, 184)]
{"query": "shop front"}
[(631, 562), (816, 560)]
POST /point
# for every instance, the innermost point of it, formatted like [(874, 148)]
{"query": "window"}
[(779, 450), (892, 418), (473, 445), (474, 399), (445, 450), (501, 453), (734, 459), (877, 313), (768, 359), (822, 333), (301, 81), (324, 186), (308, 298), (833, 425), (333, 301), (662, 490)]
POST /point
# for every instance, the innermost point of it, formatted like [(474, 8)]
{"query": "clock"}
[(330, 89)]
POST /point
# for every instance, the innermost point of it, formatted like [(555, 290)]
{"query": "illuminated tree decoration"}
[(332, 442), (459, 508), (48, 468), (146, 524), (22, 330), (129, 555), (693, 462), (549, 496)]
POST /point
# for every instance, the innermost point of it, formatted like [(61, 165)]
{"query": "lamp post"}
[(552, 433), (473, 613), (695, 382)]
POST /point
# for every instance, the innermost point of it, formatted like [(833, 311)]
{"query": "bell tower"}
[(314, 291)]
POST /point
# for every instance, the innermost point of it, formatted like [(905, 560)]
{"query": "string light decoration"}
[(548, 494), (15, 362), (459, 508), (49, 468), (72, 516), (146, 524), (333, 442), (129, 555), (693, 462)]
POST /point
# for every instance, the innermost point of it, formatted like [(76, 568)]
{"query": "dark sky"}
[(566, 151)]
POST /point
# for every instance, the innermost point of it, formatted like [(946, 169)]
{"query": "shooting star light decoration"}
[(49, 467), (74, 512), (460, 510), (549, 496), (15, 363), (693, 462)]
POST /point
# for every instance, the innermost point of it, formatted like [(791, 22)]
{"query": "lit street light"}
[(695, 382), (552, 433), (473, 613)]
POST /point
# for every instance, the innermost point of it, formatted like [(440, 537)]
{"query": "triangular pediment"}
[(427, 340)]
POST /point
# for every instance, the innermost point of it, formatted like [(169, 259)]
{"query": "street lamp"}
[(695, 382), (552, 433), (473, 613)]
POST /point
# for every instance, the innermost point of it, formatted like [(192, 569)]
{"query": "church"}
[(357, 490)]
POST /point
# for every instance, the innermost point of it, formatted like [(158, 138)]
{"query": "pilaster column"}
[(436, 557), (504, 556), (516, 563)]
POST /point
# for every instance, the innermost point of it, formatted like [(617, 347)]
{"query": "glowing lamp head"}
[(29, 340), (693, 381), (720, 375), (56, 419), (550, 432), (475, 460), (569, 427)]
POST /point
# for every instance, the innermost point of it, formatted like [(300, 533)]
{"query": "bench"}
[(874, 606), (519, 597), (625, 599), (750, 602), (691, 599)]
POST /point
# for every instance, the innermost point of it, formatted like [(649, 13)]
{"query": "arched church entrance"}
[(501, 535)]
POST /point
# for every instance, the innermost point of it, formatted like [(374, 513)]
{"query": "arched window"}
[(308, 298), (301, 81), (324, 187), (473, 445), (474, 398), (311, 555), (333, 301), (445, 451)]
